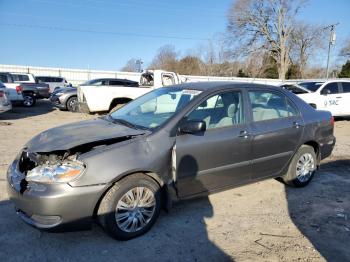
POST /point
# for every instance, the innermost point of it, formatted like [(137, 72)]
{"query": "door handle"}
[(244, 134), (296, 125), (339, 97)]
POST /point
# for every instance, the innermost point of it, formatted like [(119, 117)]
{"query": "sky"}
[(105, 34)]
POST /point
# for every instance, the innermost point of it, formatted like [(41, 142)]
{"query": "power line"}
[(57, 28)]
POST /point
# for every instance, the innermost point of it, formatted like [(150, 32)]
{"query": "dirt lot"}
[(265, 221)]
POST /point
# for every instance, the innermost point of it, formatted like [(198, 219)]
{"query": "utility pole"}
[(139, 63), (331, 42)]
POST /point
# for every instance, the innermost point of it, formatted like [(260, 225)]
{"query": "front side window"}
[(221, 110), (331, 88), (269, 105), (154, 108)]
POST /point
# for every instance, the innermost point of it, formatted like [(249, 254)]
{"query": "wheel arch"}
[(165, 189), (316, 148), (119, 100)]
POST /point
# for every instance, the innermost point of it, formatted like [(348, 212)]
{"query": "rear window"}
[(312, 86)]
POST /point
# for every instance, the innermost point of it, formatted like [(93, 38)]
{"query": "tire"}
[(116, 196), (29, 100), (300, 174), (72, 104)]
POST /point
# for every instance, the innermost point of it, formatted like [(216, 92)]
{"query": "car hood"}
[(66, 137)]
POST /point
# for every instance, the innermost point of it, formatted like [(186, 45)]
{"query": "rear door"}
[(276, 130), (218, 157)]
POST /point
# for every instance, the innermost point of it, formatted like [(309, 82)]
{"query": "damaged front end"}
[(61, 166)]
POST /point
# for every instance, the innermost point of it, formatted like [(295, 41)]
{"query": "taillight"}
[(332, 120), (19, 89), (2, 94)]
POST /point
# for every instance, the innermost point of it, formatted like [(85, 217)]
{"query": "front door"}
[(218, 157), (276, 127), (332, 99)]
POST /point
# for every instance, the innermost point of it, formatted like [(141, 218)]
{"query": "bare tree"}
[(345, 51), (264, 24), (166, 58), (131, 66), (305, 40)]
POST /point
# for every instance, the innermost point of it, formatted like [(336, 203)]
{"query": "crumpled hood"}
[(72, 135)]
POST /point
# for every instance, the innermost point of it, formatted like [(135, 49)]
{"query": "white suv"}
[(53, 81), (331, 95)]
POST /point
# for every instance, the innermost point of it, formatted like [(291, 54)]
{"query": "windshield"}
[(94, 82), (312, 86), (154, 108)]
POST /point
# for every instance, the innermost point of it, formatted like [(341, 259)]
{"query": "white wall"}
[(78, 76)]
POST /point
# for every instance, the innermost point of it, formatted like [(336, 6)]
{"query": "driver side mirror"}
[(325, 91), (193, 127)]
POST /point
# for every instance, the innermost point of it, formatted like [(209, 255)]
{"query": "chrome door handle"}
[(244, 134)]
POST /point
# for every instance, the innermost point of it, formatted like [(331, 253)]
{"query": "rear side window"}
[(20, 77), (346, 87), (270, 105)]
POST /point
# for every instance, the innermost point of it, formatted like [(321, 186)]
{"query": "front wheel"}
[(131, 207), (302, 167), (72, 104)]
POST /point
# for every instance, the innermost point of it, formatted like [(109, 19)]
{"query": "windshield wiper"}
[(126, 123)]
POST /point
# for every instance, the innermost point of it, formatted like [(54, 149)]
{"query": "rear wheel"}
[(131, 207), (72, 104), (29, 100), (302, 167)]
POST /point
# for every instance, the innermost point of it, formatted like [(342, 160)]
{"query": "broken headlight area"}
[(50, 168), (59, 173)]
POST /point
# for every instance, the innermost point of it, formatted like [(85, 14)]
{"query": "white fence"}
[(78, 76)]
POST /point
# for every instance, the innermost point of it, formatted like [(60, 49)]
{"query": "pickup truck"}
[(101, 95), (23, 88), (331, 95)]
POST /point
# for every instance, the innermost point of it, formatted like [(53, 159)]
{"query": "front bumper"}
[(52, 206), (84, 108), (5, 107), (56, 101)]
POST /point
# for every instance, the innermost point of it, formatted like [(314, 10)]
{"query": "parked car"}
[(26, 93), (173, 143), (331, 95), (65, 99), (28, 81), (110, 94), (5, 103), (14, 89), (53, 81)]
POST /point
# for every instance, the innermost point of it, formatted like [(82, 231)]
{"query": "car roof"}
[(218, 85)]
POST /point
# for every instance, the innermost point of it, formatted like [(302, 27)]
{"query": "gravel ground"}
[(265, 221)]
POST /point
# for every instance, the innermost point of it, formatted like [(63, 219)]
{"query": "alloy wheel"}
[(135, 209), (305, 167)]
